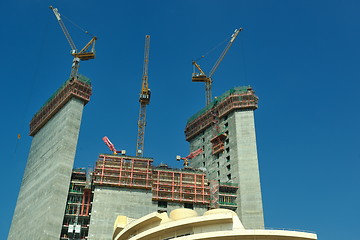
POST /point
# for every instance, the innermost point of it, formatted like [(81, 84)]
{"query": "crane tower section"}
[(86, 53), (201, 76), (144, 100)]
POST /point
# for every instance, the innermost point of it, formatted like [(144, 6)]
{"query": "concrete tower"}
[(225, 130), (43, 194)]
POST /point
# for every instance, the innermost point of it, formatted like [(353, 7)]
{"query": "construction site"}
[(121, 184), (221, 170)]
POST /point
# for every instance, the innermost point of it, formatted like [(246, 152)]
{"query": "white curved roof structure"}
[(185, 224)]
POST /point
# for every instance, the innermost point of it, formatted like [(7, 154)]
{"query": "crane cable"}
[(76, 25), (212, 49), (243, 57)]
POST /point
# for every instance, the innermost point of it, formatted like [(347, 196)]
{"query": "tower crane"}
[(86, 53), (144, 100), (201, 76)]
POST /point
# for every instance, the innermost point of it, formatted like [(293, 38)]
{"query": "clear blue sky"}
[(301, 57)]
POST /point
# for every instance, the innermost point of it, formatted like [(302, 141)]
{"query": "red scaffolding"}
[(180, 186), (243, 99), (75, 88), (123, 171)]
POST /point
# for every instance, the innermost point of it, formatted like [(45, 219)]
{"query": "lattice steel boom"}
[(144, 100), (84, 54), (207, 79)]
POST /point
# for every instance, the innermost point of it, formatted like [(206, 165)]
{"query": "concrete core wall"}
[(237, 164), (249, 193), (110, 202), (42, 198)]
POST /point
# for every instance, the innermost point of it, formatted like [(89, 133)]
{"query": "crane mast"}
[(201, 76), (144, 100), (83, 55)]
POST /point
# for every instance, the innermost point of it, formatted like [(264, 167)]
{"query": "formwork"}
[(176, 185), (79, 88), (228, 195), (185, 185), (132, 186), (241, 98), (78, 207), (123, 171)]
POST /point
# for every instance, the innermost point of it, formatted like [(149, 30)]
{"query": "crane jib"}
[(84, 54)]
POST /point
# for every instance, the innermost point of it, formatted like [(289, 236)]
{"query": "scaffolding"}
[(123, 171), (228, 195), (218, 143), (185, 185), (78, 207), (79, 88), (241, 98), (214, 189)]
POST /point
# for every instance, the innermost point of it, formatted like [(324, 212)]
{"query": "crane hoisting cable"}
[(201, 76), (144, 100), (86, 53)]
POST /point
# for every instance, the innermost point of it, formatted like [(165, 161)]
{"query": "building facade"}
[(225, 131), (43, 193), (57, 201), (77, 213), (132, 186)]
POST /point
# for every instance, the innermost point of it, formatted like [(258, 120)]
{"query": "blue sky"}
[(301, 58)]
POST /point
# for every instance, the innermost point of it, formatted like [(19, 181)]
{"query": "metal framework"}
[(228, 195), (83, 54), (167, 184), (214, 189), (123, 171), (189, 157), (188, 186), (144, 100), (238, 100), (74, 88), (78, 207), (201, 76)]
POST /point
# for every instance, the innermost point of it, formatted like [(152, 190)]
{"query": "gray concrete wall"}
[(42, 198), (237, 164), (110, 202), (249, 193)]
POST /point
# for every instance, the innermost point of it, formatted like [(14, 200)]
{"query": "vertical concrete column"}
[(42, 198), (249, 194)]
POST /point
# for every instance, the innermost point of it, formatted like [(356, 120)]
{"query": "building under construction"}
[(78, 206), (59, 202), (225, 131), (132, 185), (41, 203)]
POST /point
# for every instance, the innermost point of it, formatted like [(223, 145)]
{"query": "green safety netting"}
[(235, 90), (81, 78), (229, 184)]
